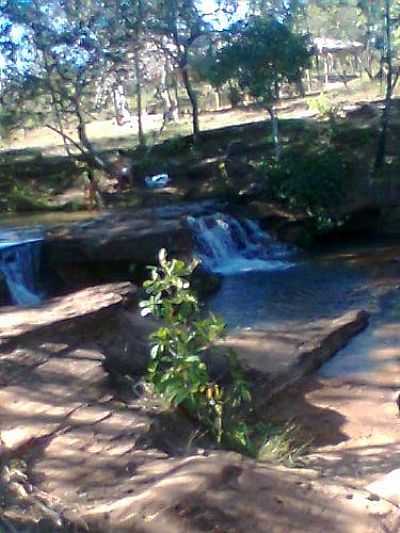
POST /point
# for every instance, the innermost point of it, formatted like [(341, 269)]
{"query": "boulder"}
[(125, 343), (273, 359)]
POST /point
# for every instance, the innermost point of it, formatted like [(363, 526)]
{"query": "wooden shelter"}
[(339, 59)]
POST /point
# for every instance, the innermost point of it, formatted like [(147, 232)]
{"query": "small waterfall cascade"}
[(19, 264), (227, 245)]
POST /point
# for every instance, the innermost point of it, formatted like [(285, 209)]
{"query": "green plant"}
[(177, 367), (316, 183), (325, 107), (282, 443), (176, 144), (24, 198)]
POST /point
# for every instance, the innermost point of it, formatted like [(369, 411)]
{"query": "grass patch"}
[(284, 444)]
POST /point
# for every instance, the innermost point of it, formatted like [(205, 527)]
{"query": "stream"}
[(20, 252), (265, 284)]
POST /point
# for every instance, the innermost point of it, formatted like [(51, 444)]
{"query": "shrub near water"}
[(316, 183), (177, 367)]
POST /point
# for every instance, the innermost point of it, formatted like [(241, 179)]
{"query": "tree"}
[(177, 25), (72, 44), (261, 54), (132, 17), (381, 151), (371, 11), (284, 10)]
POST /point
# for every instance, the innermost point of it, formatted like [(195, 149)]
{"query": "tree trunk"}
[(381, 151), (176, 92), (218, 98), (138, 74), (275, 132), (138, 89), (193, 101), (167, 101), (318, 65), (326, 66)]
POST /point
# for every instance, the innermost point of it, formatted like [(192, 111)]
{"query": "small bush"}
[(22, 198), (316, 183), (325, 107), (178, 370)]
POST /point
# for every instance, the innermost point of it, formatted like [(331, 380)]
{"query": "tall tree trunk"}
[(218, 98), (381, 151), (138, 75), (176, 92), (167, 101), (193, 101), (138, 90), (275, 132)]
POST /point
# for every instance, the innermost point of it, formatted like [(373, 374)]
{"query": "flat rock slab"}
[(130, 235), (282, 356), (85, 303)]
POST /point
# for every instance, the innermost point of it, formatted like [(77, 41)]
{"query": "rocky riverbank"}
[(83, 447)]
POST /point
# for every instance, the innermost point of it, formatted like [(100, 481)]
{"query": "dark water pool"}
[(312, 288)]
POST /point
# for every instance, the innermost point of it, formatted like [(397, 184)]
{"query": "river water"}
[(265, 284)]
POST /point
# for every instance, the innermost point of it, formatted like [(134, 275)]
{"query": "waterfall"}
[(19, 264), (227, 245)]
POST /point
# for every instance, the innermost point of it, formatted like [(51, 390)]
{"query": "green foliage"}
[(316, 183), (260, 54), (281, 443), (22, 198), (325, 107), (177, 368), (176, 145)]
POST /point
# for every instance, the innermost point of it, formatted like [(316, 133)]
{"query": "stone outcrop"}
[(117, 238), (279, 357), (226, 493), (130, 235), (76, 455), (88, 303)]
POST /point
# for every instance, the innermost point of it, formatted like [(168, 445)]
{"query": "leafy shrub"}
[(24, 198), (325, 107), (316, 183), (177, 368), (177, 144)]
